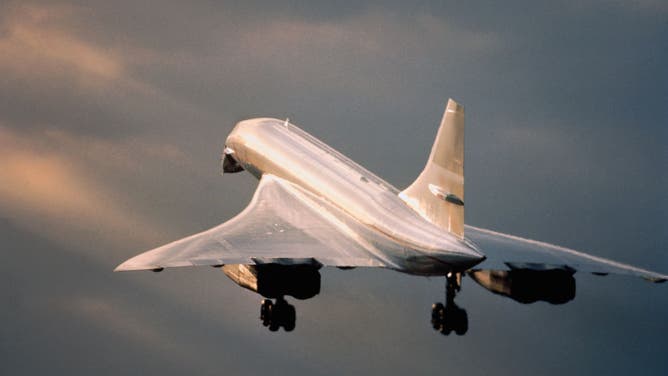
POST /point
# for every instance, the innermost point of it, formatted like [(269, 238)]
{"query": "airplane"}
[(314, 207)]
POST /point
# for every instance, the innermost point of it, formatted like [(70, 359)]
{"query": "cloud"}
[(374, 39), (115, 320), (58, 74), (633, 5), (35, 44), (49, 190)]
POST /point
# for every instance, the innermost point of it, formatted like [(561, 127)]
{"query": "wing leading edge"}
[(512, 252), (283, 224)]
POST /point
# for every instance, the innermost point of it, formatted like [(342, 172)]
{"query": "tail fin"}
[(438, 193)]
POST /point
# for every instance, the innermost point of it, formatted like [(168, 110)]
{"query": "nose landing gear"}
[(449, 317), (275, 315)]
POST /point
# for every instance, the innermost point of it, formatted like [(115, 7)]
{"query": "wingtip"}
[(120, 268), (453, 106), (130, 266)]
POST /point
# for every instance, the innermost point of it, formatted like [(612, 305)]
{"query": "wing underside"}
[(508, 252), (283, 224)]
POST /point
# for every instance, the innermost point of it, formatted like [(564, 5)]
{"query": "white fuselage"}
[(416, 245)]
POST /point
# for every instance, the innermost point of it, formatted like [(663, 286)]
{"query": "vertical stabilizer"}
[(438, 193)]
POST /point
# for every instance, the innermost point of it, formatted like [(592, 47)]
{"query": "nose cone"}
[(235, 138), (246, 131)]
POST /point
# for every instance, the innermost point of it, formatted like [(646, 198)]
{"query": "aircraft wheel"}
[(273, 326), (462, 322), (436, 311), (290, 317), (445, 330), (264, 308), (275, 316), (266, 312), (438, 318)]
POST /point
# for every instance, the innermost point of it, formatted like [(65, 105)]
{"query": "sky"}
[(113, 116)]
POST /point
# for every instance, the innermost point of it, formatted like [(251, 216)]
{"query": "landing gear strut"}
[(449, 317), (275, 315)]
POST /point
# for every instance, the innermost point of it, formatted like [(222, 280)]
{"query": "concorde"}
[(314, 206)]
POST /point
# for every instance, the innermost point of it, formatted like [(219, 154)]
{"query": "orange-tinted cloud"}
[(47, 191), (35, 43)]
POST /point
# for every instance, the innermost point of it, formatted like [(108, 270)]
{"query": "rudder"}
[(438, 193)]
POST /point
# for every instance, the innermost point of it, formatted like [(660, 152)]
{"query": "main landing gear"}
[(275, 315), (449, 317)]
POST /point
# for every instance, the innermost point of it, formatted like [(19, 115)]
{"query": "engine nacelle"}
[(275, 281), (555, 286)]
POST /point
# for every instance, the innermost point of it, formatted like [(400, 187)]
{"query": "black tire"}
[(462, 323), (437, 310), (273, 326), (267, 312), (289, 326), (264, 308)]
